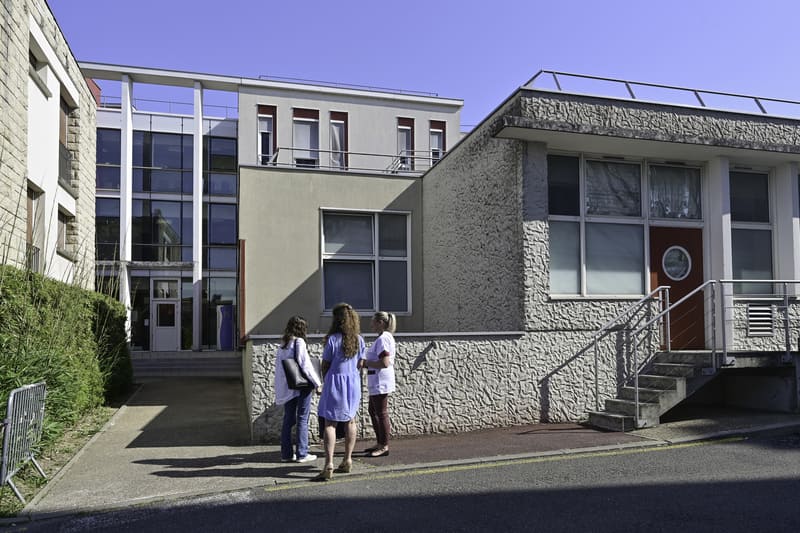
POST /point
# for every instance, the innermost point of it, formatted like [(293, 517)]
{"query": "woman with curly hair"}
[(341, 389), (296, 403)]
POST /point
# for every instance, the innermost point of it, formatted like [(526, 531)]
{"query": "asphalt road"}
[(734, 485)]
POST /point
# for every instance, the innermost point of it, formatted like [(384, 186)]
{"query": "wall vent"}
[(760, 322)]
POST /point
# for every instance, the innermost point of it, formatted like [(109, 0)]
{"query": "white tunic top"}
[(282, 391), (381, 381)]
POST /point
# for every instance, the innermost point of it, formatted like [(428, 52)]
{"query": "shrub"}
[(68, 337)]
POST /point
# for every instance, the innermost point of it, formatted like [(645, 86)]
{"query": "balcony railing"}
[(413, 162), (32, 257), (171, 107)]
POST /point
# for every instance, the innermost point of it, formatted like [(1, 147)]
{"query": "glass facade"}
[(162, 234)]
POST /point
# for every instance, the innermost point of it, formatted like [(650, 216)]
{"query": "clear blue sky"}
[(476, 50)]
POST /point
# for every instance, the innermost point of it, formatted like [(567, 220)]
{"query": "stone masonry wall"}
[(13, 129), (14, 65)]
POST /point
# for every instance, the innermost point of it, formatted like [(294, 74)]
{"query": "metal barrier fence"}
[(22, 431)]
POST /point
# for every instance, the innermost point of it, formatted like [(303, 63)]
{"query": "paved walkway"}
[(188, 437)]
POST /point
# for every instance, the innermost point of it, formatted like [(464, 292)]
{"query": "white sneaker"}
[(293, 459), (307, 458)]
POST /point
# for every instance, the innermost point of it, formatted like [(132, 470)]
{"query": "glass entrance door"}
[(165, 312)]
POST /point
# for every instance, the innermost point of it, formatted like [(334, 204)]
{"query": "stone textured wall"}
[(14, 39), (638, 120), (452, 384), (13, 129), (472, 229)]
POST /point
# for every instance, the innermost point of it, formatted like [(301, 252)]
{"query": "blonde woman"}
[(341, 389), (379, 364)]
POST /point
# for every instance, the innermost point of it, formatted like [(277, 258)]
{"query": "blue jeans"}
[(296, 411)]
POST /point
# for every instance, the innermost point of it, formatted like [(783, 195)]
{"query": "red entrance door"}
[(676, 259)]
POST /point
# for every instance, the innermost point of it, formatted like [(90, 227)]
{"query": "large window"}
[(107, 229), (306, 137), (366, 260), (219, 236), (596, 244), (751, 231), (108, 159), (162, 162), (162, 231), (219, 155)]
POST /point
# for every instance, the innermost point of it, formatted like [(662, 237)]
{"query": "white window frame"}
[(271, 131), (375, 257), (760, 226), (644, 220), (341, 151), (313, 148), (438, 133)]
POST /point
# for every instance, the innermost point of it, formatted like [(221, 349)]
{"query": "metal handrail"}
[(346, 154), (664, 313), (606, 328), (629, 84)]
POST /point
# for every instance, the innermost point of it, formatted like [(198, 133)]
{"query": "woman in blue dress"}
[(341, 387)]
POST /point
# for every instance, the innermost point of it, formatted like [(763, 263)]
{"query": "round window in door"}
[(677, 263)]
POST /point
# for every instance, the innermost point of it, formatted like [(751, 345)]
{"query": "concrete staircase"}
[(665, 382), (151, 366)]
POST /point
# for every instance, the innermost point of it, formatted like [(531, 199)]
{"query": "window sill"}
[(64, 184), (593, 297), (67, 255)]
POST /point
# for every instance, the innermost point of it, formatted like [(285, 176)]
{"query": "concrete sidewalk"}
[(188, 437)]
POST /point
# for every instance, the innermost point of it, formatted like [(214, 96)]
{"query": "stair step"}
[(663, 382), (701, 358), (628, 408), (645, 394), (674, 369), (611, 421)]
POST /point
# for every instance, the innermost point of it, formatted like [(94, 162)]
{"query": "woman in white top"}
[(296, 403), (379, 363)]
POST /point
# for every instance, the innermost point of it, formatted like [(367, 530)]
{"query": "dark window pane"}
[(166, 217), (188, 182), (393, 290), (167, 151), (188, 152), (186, 313), (166, 181), (562, 185), (751, 251), (222, 154), (221, 224), (107, 178), (392, 235), (220, 184), (107, 228), (216, 291), (749, 197), (166, 315), (140, 313), (220, 258), (142, 149), (348, 281), (108, 146), (141, 180)]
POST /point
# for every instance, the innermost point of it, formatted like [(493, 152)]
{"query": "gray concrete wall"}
[(472, 215), (666, 123), (280, 219), (371, 121)]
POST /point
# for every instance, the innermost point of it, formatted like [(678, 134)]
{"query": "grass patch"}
[(52, 459)]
